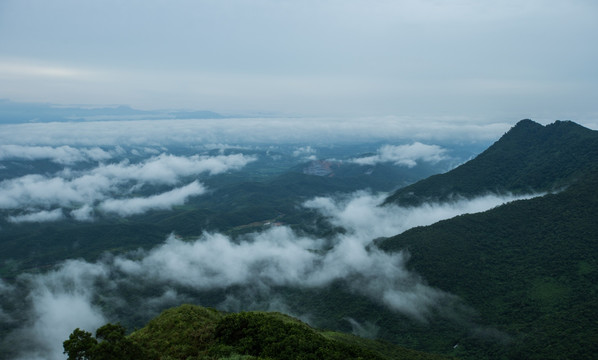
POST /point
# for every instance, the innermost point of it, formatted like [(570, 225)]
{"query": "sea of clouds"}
[(107, 188), (45, 307), (249, 130), (69, 296)]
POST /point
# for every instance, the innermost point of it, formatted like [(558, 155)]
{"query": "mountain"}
[(194, 332), (18, 112), (529, 268), (528, 158), (524, 275)]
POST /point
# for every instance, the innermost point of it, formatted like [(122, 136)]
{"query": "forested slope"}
[(528, 158), (529, 268), (194, 332)]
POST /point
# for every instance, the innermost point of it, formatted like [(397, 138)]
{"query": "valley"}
[(488, 260)]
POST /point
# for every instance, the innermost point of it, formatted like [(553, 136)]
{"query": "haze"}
[(479, 60)]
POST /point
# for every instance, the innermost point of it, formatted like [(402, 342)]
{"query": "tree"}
[(110, 343), (80, 345)]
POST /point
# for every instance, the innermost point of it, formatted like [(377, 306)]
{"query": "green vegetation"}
[(193, 332), (528, 268), (525, 273), (112, 345), (529, 158)]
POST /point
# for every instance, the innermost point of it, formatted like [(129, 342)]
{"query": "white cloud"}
[(279, 256), (168, 169), (38, 190), (304, 151), (62, 154), (84, 189), (166, 200), (65, 298), (84, 213), (40, 216), (254, 130), (406, 155), (15, 69), (61, 300)]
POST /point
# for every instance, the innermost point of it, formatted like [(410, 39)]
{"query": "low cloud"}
[(65, 155), (169, 169), (40, 216), (405, 155), (306, 152), (366, 330), (178, 270), (80, 191), (59, 301), (42, 191), (84, 213), (166, 200), (252, 131)]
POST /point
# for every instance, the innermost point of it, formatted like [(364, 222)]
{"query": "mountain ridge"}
[(528, 158), (527, 267)]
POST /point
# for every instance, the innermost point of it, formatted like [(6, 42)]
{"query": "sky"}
[(480, 60)]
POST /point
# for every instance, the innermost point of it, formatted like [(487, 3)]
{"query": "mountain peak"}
[(529, 158), (526, 126), (526, 123)]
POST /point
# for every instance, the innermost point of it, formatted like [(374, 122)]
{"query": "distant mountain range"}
[(16, 112)]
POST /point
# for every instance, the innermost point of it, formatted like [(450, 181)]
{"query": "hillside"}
[(529, 267), (528, 158), (194, 332)]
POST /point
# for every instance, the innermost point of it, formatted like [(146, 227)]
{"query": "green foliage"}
[(528, 268), (194, 332), (528, 158), (262, 335), (110, 343), (183, 332), (80, 345)]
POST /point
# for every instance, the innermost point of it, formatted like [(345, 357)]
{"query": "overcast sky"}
[(482, 59)]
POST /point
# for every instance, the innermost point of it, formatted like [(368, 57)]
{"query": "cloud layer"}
[(40, 216), (102, 187), (253, 130), (65, 155), (406, 155), (177, 269), (163, 201)]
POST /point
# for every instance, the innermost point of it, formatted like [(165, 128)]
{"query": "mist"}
[(404, 155), (107, 188), (65, 155), (254, 130), (178, 270)]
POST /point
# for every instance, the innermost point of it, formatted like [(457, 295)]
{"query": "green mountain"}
[(529, 268), (528, 158), (193, 332)]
